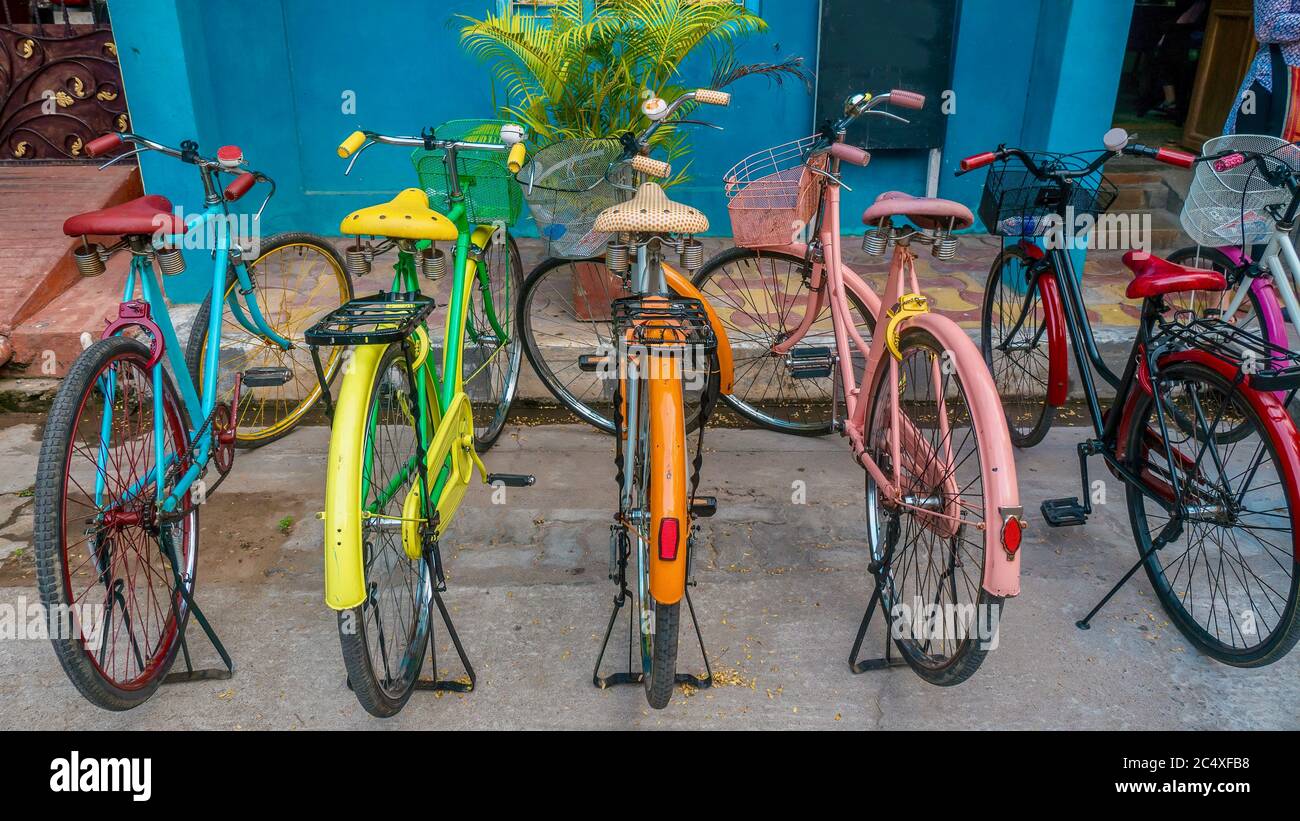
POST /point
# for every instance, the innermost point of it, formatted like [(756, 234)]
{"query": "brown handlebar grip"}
[(907, 99), (651, 167), (104, 144), (710, 96)]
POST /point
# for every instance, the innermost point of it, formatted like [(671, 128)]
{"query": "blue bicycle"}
[(139, 421)]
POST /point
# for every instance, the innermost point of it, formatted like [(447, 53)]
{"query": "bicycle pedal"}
[(810, 362), (1064, 512), (266, 377), (512, 479), (591, 362), (703, 507)]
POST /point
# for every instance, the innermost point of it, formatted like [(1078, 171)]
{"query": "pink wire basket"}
[(773, 194)]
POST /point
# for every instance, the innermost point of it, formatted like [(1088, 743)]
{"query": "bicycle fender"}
[(344, 576), (998, 465), (668, 490), (682, 286), (1058, 365)]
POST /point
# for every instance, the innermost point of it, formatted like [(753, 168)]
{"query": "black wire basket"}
[(1016, 203)]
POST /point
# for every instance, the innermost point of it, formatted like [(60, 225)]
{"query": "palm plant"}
[(584, 69)]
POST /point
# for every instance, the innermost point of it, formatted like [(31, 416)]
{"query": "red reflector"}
[(1011, 531), (668, 540)]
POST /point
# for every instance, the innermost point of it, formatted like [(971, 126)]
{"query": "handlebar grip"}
[(104, 144), (907, 99), (1229, 162), (239, 186), (349, 146), (651, 167), (710, 96), (1170, 156), (978, 161), (850, 154), (515, 161)]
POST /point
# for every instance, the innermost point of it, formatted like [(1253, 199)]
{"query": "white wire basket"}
[(771, 195), (1226, 208)]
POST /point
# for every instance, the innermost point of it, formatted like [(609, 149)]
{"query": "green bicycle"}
[(404, 434)]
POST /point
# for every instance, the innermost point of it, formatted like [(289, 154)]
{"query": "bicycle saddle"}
[(651, 212), (406, 216), (142, 215), (1153, 276), (926, 213)]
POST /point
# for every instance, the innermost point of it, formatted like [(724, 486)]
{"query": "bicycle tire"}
[(495, 422), (53, 564), (1028, 426), (301, 364)]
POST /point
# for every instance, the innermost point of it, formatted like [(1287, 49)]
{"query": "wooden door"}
[(1225, 55)]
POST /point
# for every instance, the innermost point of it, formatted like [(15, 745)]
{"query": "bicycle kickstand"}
[(190, 674), (878, 569), (433, 561), (633, 676)]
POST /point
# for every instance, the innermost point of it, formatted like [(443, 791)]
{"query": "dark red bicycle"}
[(1198, 430)]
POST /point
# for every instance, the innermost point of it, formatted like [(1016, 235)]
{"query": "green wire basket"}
[(490, 190)]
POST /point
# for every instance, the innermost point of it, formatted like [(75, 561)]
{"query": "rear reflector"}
[(1011, 532), (668, 532)]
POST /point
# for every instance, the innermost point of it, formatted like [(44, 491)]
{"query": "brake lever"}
[(121, 157), (890, 115), (714, 126), (355, 155)]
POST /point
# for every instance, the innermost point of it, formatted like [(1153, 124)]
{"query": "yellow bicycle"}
[(402, 446)]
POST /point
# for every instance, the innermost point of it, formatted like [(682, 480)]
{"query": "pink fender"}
[(998, 470)]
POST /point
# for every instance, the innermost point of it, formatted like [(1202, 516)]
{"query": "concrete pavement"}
[(782, 586)]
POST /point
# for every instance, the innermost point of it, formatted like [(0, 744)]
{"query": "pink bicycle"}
[(921, 411)]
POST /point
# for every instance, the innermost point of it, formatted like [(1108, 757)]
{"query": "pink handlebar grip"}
[(907, 99), (102, 145), (239, 186), (850, 154), (1229, 162)]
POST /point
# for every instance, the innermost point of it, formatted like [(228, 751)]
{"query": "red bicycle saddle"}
[(143, 215), (1153, 276), (927, 213)]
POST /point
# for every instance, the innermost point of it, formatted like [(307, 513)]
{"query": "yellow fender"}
[(682, 286)]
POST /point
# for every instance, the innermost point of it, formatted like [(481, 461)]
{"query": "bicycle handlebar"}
[(512, 143), (229, 160), (1168, 156)]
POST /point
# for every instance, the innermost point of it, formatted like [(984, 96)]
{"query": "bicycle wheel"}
[(1248, 316), (1017, 356), (761, 298), (490, 363), (1229, 581), (384, 638), (297, 279), (931, 549), (106, 566), (564, 314), (656, 455)]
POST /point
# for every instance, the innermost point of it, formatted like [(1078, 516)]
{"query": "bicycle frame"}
[(199, 401), (1276, 292), (1001, 574)]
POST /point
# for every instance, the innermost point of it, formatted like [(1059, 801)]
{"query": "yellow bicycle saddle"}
[(406, 216)]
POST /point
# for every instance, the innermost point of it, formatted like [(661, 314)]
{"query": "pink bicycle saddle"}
[(927, 213)]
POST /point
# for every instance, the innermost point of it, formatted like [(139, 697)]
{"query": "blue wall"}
[(269, 75)]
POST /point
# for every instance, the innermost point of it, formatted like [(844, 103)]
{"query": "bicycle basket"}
[(1228, 207), (566, 187), (491, 194), (1015, 203), (773, 194)]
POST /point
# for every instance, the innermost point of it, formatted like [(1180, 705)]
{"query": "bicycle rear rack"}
[(379, 319), (1270, 367), (653, 322)]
